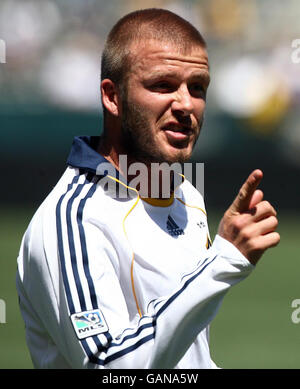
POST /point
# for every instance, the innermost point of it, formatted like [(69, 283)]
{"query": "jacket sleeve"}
[(82, 280)]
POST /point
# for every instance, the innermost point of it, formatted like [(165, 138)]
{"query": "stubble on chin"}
[(140, 144)]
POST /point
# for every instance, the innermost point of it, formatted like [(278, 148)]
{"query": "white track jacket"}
[(118, 282)]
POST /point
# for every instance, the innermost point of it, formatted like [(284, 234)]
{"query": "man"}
[(110, 276)]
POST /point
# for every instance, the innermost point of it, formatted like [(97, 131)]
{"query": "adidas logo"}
[(173, 228)]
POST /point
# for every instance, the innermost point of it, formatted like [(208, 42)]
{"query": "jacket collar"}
[(83, 154)]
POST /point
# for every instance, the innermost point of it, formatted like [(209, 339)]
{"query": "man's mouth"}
[(177, 132)]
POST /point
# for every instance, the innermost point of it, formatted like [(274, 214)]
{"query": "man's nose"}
[(183, 103)]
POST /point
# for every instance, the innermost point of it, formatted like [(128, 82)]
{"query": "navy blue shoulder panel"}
[(83, 154), (85, 157)]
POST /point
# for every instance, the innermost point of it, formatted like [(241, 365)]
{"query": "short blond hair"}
[(138, 26)]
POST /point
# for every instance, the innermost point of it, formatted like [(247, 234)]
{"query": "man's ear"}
[(110, 97)]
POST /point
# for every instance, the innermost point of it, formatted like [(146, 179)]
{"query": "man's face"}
[(163, 105)]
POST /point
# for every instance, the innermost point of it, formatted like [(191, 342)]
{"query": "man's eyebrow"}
[(161, 74), (203, 75), (200, 74)]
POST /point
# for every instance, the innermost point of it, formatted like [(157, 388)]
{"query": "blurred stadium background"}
[(49, 87)]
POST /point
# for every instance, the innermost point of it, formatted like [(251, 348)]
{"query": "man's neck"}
[(145, 178)]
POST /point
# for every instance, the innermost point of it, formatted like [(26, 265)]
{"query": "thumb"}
[(256, 198), (242, 201)]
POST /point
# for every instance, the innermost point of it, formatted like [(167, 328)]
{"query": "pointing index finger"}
[(243, 199)]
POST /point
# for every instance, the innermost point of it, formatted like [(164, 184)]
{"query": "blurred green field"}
[(252, 330)]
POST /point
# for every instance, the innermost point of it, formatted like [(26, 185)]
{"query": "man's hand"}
[(250, 223)]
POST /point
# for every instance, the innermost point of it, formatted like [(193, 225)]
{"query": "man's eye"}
[(163, 87), (197, 90)]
